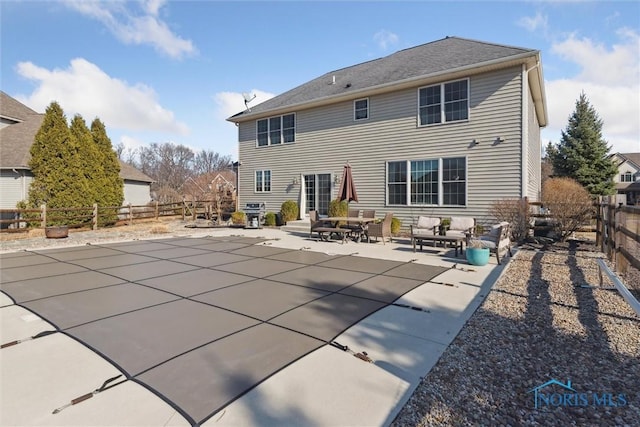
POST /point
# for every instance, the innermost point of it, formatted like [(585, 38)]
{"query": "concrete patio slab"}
[(17, 323), (264, 373), (338, 390), (42, 375)]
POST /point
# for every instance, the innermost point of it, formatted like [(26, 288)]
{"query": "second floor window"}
[(626, 177), (276, 130), (361, 109), (443, 103)]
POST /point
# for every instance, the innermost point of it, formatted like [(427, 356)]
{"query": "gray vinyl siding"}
[(534, 155), (328, 137), (14, 186), (136, 193)]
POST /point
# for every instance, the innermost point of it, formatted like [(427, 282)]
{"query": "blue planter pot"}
[(478, 256)]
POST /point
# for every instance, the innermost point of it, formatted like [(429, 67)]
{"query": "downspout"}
[(525, 128)]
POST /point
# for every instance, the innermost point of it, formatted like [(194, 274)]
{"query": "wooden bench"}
[(330, 230)]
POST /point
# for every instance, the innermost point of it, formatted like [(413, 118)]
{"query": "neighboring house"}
[(444, 128), (18, 127), (628, 178)]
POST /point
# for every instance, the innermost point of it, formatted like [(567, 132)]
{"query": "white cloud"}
[(610, 77), (230, 103), (539, 22), (136, 27), (85, 89), (385, 39)]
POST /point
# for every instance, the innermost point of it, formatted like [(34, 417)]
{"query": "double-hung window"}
[(263, 181), (626, 177), (361, 109), (276, 130), (429, 182), (443, 103)]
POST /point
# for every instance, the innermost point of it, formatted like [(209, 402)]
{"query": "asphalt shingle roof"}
[(431, 58)]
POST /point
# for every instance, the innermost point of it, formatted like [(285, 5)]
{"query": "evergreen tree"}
[(582, 153), (58, 178), (88, 171), (112, 193)]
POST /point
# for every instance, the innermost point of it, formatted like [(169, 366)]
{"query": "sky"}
[(159, 71)]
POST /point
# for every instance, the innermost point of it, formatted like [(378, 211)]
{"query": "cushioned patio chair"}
[(462, 226), (380, 229), (497, 240), (425, 226)]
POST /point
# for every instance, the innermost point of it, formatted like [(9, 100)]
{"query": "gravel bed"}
[(546, 318)]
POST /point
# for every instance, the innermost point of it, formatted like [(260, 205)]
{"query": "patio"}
[(255, 309)]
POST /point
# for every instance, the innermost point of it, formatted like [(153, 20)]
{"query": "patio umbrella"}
[(347, 187)]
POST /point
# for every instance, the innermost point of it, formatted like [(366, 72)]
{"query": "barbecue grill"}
[(255, 212)]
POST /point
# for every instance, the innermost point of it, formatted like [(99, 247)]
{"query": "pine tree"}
[(88, 173), (58, 180), (112, 186), (582, 153)]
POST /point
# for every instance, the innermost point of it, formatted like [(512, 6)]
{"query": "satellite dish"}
[(247, 99)]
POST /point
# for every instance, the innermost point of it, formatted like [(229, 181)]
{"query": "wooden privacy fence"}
[(619, 233), (13, 219)]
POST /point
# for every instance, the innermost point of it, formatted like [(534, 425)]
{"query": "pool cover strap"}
[(362, 355), (91, 394), (41, 334)]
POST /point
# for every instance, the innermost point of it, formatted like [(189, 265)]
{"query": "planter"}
[(478, 256), (58, 232)]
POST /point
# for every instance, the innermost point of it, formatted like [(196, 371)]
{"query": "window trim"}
[(281, 130), (628, 176), (443, 117), (355, 110), (255, 181), (440, 202)]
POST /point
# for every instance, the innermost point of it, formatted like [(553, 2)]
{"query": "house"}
[(444, 128), (18, 127), (628, 178)]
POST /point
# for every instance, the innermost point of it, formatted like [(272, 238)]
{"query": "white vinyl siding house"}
[(459, 166)]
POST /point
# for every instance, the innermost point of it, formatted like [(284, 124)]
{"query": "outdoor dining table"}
[(352, 219)]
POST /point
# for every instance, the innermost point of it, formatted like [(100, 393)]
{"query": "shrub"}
[(569, 203), (516, 213), (270, 219), (395, 225), (289, 210), (339, 208), (238, 217)]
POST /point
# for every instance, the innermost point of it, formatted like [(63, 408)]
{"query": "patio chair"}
[(353, 226), (315, 222), (425, 227), (462, 226), (497, 240), (380, 229)]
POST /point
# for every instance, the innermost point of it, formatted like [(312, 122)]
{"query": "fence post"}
[(157, 211), (183, 211), (130, 214), (43, 215), (95, 216), (599, 223)]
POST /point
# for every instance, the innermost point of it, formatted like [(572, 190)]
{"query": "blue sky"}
[(173, 71)]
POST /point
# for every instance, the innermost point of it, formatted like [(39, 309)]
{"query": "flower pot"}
[(58, 232), (478, 256)]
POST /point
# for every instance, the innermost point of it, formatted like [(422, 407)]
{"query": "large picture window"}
[(276, 130), (444, 103), (263, 181), (437, 182)]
